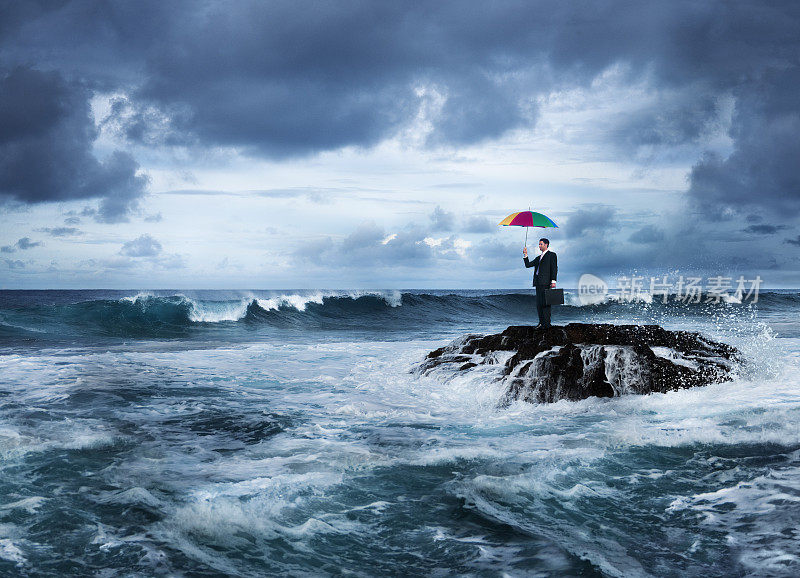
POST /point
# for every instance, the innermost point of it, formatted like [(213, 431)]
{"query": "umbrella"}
[(528, 219)]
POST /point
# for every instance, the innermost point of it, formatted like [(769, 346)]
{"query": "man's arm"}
[(554, 270), (528, 264)]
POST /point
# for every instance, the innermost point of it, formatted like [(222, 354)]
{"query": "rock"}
[(580, 360)]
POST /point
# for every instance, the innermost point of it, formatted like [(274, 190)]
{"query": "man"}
[(544, 276)]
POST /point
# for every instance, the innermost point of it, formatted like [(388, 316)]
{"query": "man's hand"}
[(552, 284), (524, 251)]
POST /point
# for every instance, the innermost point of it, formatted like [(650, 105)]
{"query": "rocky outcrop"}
[(581, 360)]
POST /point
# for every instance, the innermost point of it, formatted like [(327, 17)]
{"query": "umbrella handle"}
[(526, 229)]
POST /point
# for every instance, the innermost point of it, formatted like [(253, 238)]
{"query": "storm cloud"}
[(46, 137), (762, 173), (290, 79), (287, 78)]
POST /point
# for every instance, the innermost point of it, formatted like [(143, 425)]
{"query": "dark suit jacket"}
[(547, 271)]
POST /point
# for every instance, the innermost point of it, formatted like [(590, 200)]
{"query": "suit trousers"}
[(542, 309)]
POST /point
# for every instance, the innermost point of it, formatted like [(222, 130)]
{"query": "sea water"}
[(206, 433)]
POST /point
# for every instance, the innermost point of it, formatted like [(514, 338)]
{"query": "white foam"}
[(263, 506), (136, 496), (362, 410), (11, 552), (735, 299), (207, 311), (140, 296), (623, 370), (760, 517), (674, 356), (216, 311), (502, 499), (70, 434), (30, 505), (300, 301)]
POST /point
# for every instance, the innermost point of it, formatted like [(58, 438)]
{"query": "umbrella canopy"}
[(528, 219)]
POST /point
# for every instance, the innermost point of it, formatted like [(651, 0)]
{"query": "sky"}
[(367, 144)]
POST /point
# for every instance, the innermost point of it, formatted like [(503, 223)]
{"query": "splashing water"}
[(254, 434)]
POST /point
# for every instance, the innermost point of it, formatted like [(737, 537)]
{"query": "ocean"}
[(265, 433)]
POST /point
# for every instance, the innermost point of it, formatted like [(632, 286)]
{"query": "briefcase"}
[(554, 296)]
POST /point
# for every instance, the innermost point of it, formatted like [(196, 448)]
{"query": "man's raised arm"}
[(529, 264)]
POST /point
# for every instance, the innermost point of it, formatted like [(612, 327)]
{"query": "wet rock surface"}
[(581, 360)]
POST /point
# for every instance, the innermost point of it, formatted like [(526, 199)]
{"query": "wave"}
[(147, 314)]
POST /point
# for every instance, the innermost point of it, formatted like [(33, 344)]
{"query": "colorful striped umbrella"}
[(528, 219)]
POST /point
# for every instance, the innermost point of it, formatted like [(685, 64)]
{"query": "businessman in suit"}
[(544, 277)]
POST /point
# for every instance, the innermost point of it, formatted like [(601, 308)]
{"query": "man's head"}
[(544, 244)]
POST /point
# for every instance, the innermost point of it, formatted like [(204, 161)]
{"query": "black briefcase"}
[(554, 296)]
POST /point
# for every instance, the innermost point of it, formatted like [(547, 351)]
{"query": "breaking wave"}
[(148, 314)]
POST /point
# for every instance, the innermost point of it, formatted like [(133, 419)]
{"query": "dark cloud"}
[(762, 172), (690, 246), (676, 118), (764, 229), (72, 221), (61, 231), (647, 234), (144, 246), (478, 108), (288, 78), (46, 138), (26, 243), (23, 244), (794, 241), (123, 188), (296, 77)]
